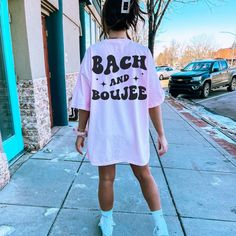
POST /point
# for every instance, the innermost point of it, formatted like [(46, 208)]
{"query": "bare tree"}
[(156, 10), (199, 47), (170, 55)]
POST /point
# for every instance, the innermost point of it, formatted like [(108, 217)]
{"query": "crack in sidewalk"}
[(168, 187)]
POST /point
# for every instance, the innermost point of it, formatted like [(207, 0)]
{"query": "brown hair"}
[(113, 19)]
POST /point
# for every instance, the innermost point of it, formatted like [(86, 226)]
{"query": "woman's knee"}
[(142, 173), (107, 173)]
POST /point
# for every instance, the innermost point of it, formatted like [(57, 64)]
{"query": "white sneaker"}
[(156, 232), (106, 224)]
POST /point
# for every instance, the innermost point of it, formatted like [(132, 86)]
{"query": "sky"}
[(185, 21)]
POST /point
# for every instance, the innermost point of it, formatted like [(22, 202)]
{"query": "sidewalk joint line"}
[(63, 202), (211, 171), (168, 187), (114, 211), (27, 205), (211, 219)]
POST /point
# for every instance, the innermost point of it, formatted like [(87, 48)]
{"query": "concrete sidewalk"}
[(54, 192)]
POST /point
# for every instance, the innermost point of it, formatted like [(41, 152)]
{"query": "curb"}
[(213, 123), (198, 124)]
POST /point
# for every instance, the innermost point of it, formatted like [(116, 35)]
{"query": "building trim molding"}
[(91, 9), (47, 8)]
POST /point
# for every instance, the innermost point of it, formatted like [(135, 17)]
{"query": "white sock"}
[(107, 213), (160, 221)]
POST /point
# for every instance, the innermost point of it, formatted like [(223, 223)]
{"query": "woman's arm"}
[(83, 119), (156, 117)]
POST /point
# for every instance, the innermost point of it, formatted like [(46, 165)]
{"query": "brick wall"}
[(34, 108)]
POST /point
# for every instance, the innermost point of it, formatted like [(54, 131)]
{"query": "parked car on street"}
[(164, 72), (200, 77)]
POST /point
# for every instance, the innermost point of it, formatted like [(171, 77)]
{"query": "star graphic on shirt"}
[(103, 83), (136, 78)]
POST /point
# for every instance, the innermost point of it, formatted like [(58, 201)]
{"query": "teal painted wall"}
[(57, 66), (82, 38)]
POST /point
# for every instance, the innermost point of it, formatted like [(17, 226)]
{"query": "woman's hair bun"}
[(114, 19)]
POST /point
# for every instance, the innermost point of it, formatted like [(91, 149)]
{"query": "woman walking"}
[(116, 92)]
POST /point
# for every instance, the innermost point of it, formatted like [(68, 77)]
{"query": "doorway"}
[(47, 69)]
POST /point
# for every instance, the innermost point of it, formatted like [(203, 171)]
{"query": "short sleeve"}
[(82, 90), (156, 95)]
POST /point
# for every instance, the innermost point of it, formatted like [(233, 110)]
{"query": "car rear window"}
[(223, 65), (216, 66)]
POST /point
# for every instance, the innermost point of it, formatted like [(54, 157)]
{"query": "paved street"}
[(220, 101), (54, 192)]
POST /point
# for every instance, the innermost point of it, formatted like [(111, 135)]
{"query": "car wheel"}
[(205, 90), (174, 94), (232, 85), (161, 77)]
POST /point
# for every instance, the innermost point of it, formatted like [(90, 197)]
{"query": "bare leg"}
[(148, 186), (105, 188)]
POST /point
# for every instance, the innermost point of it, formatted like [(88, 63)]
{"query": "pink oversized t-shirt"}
[(117, 83)]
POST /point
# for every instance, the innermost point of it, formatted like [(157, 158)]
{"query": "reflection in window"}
[(87, 30), (93, 31), (6, 121), (98, 31)]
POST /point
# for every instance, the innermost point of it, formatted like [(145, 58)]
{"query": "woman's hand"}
[(162, 145), (79, 143)]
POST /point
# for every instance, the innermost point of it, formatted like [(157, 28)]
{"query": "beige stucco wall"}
[(71, 46), (27, 38), (71, 10), (35, 37), (71, 25)]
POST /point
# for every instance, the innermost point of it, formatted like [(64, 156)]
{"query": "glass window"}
[(198, 66), (6, 120), (87, 30), (93, 31), (98, 30), (224, 65), (216, 66)]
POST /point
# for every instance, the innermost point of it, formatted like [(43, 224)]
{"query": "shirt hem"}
[(81, 106), (117, 162)]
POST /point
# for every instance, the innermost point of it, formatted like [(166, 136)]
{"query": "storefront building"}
[(90, 12), (41, 46), (228, 54)]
